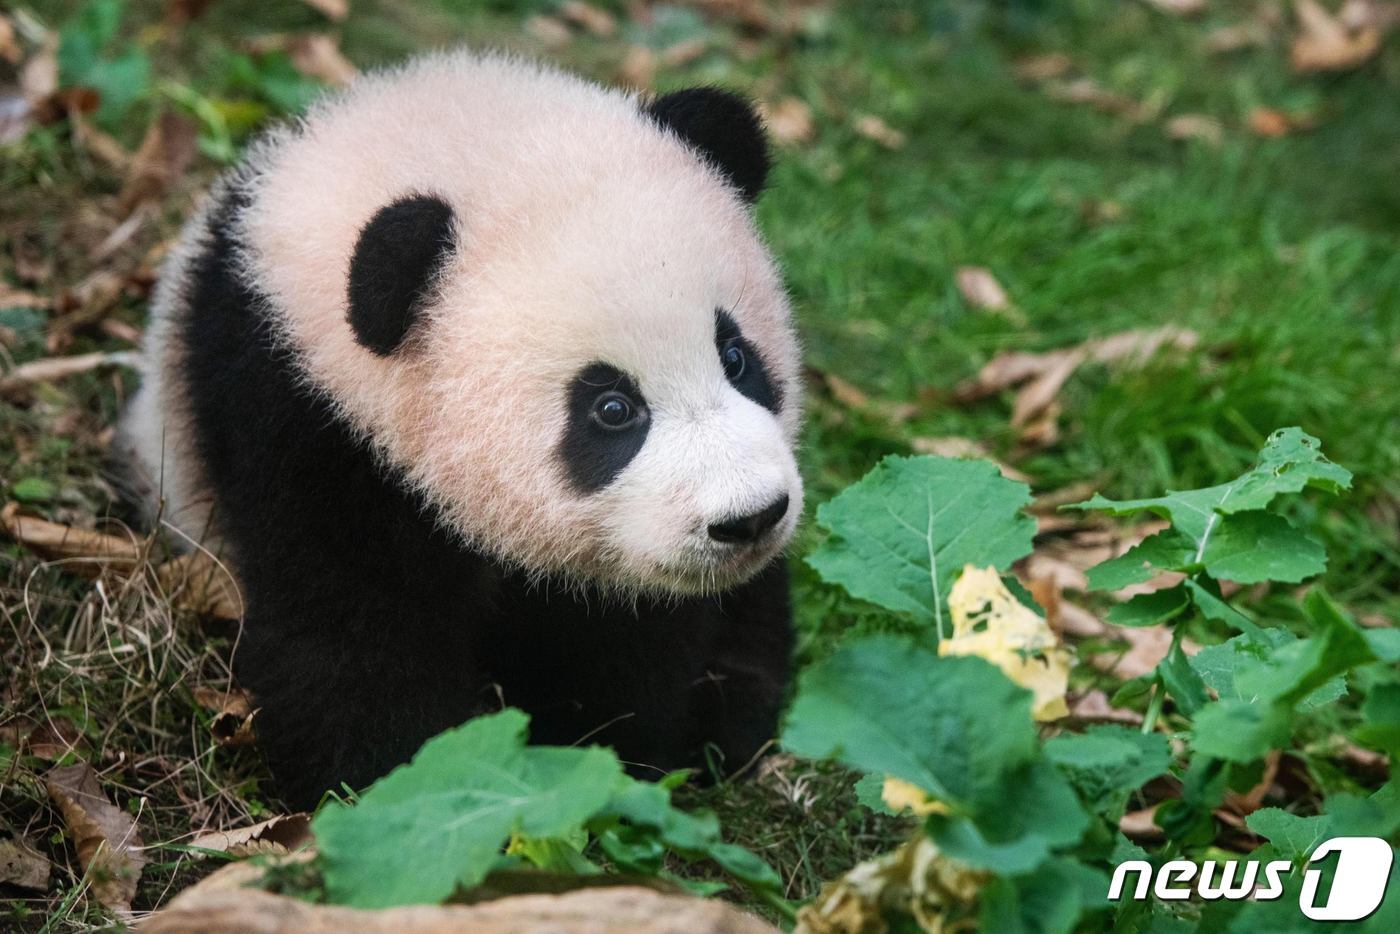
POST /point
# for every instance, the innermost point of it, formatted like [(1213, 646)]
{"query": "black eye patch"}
[(751, 377), (599, 438)]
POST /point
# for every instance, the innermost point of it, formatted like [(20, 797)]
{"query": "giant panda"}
[(483, 382)]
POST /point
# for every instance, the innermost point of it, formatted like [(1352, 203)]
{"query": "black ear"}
[(397, 257), (723, 128)]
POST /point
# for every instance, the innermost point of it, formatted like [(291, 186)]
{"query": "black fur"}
[(399, 253), (368, 630), (753, 382), (592, 454), (724, 129)]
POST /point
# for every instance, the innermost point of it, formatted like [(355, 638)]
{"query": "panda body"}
[(485, 385)]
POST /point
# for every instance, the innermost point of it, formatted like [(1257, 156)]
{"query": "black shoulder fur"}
[(368, 630)]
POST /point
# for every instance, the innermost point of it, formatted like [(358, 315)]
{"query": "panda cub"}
[(484, 383)]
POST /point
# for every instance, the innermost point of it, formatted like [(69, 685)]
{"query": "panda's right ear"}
[(394, 269)]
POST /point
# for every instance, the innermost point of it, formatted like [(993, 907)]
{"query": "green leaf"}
[(32, 490), (952, 726), (870, 791), (1239, 731), (1151, 609), (1380, 720), (902, 534), (1385, 643), (445, 816), (1167, 550), (1253, 547), (1107, 763), (1181, 682), (1218, 664), (1047, 901), (1032, 812), (1222, 526), (1205, 594)]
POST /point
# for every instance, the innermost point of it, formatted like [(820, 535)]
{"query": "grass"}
[(1281, 253)]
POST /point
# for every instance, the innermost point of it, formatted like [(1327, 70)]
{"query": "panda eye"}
[(614, 411), (734, 361)]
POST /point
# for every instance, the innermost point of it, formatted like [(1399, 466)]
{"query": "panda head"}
[(580, 354)]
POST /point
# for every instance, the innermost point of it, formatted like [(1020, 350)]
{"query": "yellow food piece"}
[(906, 796), (992, 624)]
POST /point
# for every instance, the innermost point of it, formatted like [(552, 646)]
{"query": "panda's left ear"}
[(392, 273), (723, 128)]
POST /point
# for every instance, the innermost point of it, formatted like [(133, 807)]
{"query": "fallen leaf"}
[(19, 298), (180, 12), (1243, 804), (22, 866), (1195, 126), (317, 55), (789, 121), (992, 624), (949, 446), (1089, 92), (1093, 707), (55, 738), (38, 77), (56, 542), (1038, 68), (10, 50), (550, 32), (166, 151), (100, 144), (105, 837), (275, 837), (683, 52), (1139, 825), (980, 289), (200, 584), (1147, 646), (334, 10), (596, 20), (1179, 7), (1225, 39), (1268, 122), (83, 306), (872, 127), (1036, 396), (233, 715), (1013, 368), (1325, 43), (1062, 574), (638, 68)]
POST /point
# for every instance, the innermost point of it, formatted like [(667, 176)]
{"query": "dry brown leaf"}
[(1037, 68), (683, 53), (951, 446), (180, 12), (22, 866), (198, 583), (233, 718), (56, 542), (872, 127), (83, 306), (317, 55), (105, 837), (1268, 122), (55, 738), (166, 151), (1062, 574), (38, 78), (10, 50), (1093, 706), (1041, 392), (789, 121), (276, 837), (549, 31), (1139, 825), (334, 10), (1325, 43), (100, 144), (1179, 7), (1076, 621), (19, 298), (596, 20), (1225, 39), (848, 394), (1147, 646), (1089, 92), (1195, 126), (980, 289), (1243, 804), (638, 68)]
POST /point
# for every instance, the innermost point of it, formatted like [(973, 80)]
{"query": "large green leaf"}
[(951, 726), (1221, 528), (902, 534), (1106, 763), (440, 821)]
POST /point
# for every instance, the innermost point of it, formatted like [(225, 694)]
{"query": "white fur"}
[(585, 233)]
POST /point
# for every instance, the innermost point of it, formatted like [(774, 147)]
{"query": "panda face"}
[(545, 305)]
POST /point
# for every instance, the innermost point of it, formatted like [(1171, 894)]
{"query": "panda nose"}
[(745, 530)]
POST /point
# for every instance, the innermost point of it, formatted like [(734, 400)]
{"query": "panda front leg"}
[(343, 695), (738, 699)]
